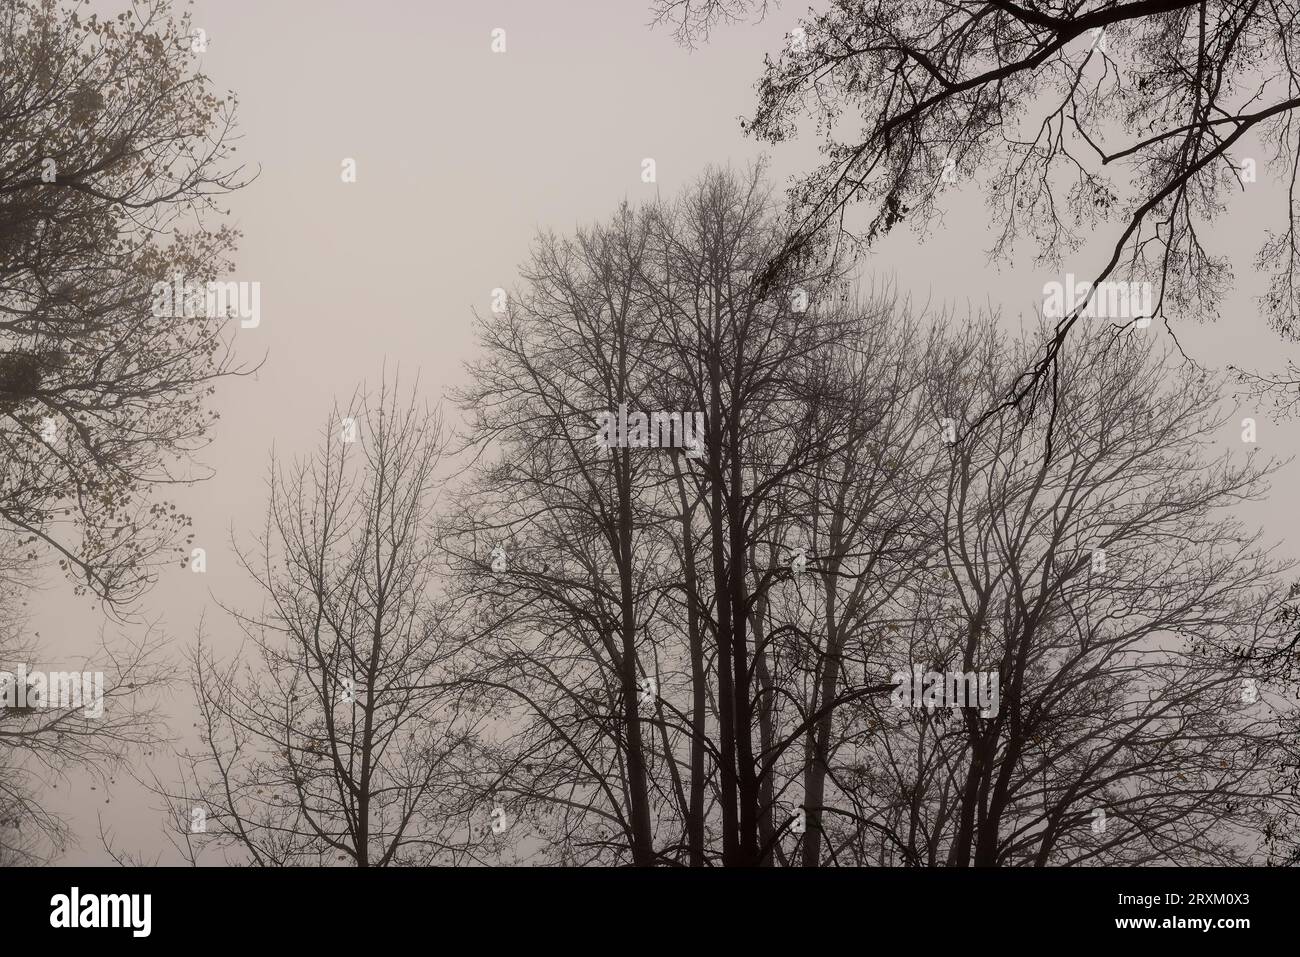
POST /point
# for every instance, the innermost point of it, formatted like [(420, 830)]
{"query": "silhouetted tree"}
[(113, 148), (1130, 618), (1129, 119), (337, 736), (48, 737), (747, 609), (624, 623)]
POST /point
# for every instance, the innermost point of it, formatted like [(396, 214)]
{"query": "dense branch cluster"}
[(693, 658)]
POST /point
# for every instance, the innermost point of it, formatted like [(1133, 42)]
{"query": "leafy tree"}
[(113, 152)]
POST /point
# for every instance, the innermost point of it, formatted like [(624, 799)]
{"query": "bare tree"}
[(113, 148), (63, 732), (630, 739), (552, 550), (749, 607), (1132, 120), (807, 393), (334, 738), (858, 527), (1128, 617)]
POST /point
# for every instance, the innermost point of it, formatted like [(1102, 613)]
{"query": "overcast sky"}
[(462, 155)]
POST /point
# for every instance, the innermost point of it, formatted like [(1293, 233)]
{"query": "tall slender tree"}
[(338, 736)]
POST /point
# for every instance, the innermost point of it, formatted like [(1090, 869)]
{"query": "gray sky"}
[(462, 155)]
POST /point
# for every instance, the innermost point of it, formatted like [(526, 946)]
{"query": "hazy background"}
[(462, 156)]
